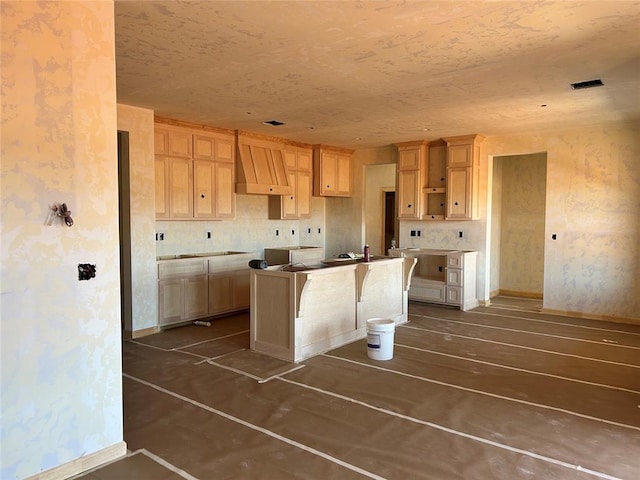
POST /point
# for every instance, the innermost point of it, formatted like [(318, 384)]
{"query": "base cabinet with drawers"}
[(443, 276), (202, 286)]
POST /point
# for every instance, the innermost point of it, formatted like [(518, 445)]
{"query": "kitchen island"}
[(301, 311)]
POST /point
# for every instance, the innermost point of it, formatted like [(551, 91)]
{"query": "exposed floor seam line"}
[(507, 329), (456, 432), (168, 350), (480, 392), (222, 355), (265, 431), (552, 352), (167, 465), (587, 327), (210, 340), (518, 369)]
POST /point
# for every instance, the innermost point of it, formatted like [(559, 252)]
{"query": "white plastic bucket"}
[(380, 338)]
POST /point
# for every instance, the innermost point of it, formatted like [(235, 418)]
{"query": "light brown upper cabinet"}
[(412, 161), (463, 159), (438, 180), (214, 176), (297, 204), (194, 173), (331, 171)]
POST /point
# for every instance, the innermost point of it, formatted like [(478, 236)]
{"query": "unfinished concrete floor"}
[(500, 392)]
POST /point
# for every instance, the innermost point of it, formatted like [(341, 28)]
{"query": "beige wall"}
[(593, 205), (61, 395), (140, 236)]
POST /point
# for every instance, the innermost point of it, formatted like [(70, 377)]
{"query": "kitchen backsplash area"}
[(250, 231)]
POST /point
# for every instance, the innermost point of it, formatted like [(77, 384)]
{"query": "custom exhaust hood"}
[(261, 167)]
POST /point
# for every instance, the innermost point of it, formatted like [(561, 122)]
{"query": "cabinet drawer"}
[(455, 260), (429, 292), (454, 295), (225, 263), (455, 277), (175, 268)]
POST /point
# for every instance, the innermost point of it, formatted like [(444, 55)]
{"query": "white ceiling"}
[(371, 73)]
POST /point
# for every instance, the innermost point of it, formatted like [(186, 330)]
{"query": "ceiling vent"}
[(587, 84), (274, 123)]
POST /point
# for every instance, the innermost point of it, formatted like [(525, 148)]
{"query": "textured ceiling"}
[(365, 74)]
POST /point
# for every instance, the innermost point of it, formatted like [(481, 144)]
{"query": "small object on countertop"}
[(367, 257), (258, 264), (200, 323)]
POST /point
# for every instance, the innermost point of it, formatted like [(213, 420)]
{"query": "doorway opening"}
[(125, 232), (380, 223), (517, 225), (389, 219)]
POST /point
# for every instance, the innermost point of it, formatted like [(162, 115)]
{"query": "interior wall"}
[(378, 178), (61, 394), (521, 251), (593, 207), (139, 123)]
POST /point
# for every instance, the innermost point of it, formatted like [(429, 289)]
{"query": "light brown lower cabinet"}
[(228, 291), (189, 289), (182, 299)]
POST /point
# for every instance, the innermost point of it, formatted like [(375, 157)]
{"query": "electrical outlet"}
[(308, 231), (413, 233), (159, 236), (419, 233), (293, 232), (460, 234), (277, 232), (208, 234), (318, 231)]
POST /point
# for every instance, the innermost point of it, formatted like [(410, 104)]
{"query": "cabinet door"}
[(460, 155), (328, 173), (303, 193), (221, 296), (214, 192), (344, 175), (161, 187), (459, 193), (172, 142), (409, 159), (225, 195), (289, 202), (203, 182), (241, 289), (408, 193), (180, 187), (170, 301), (195, 296)]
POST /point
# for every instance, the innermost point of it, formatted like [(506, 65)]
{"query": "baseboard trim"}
[(590, 316), (144, 332), (516, 293), (84, 463)]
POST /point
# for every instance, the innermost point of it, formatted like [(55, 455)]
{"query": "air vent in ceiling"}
[(274, 123), (587, 84)]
